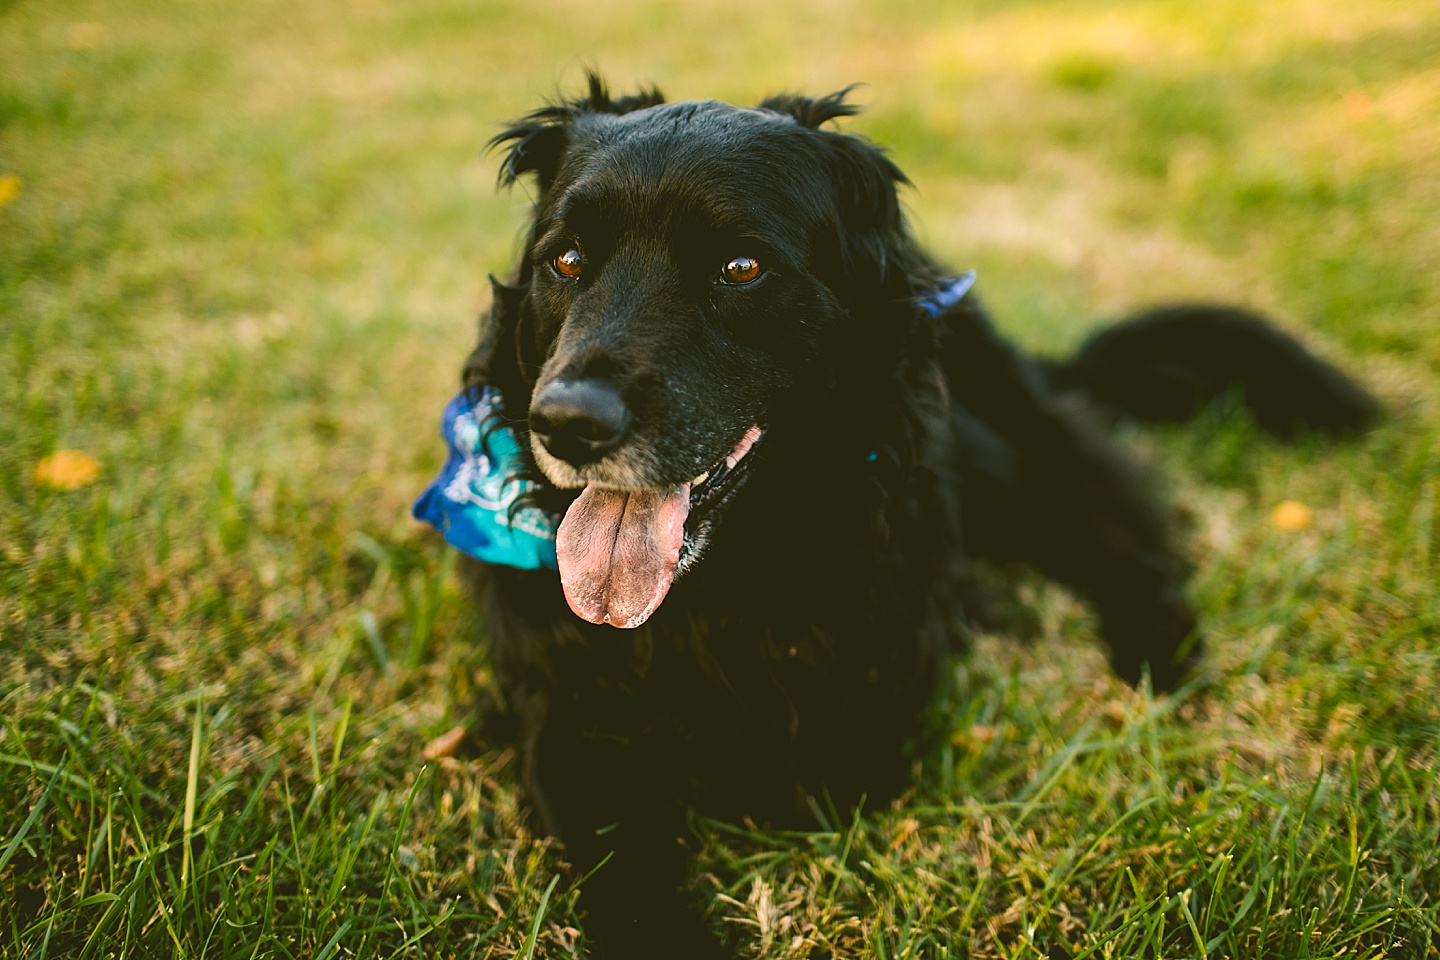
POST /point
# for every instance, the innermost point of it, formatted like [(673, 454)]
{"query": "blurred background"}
[(243, 247)]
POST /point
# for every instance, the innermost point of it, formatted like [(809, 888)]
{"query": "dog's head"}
[(690, 266)]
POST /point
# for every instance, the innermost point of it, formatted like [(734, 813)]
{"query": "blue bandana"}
[(472, 501), (938, 301)]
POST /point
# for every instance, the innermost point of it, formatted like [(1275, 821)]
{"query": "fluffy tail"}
[(1168, 363)]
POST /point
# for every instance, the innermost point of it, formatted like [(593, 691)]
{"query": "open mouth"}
[(714, 485), (618, 550)]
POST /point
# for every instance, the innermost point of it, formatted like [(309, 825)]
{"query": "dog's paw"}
[(1164, 646)]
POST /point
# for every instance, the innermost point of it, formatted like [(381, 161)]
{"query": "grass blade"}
[(19, 837), (527, 951)]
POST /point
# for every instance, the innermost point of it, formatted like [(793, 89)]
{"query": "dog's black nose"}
[(579, 421)]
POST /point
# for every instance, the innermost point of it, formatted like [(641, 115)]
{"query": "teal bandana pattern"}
[(472, 501)]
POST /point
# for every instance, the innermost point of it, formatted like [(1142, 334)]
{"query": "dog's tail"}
[(1167, 363)]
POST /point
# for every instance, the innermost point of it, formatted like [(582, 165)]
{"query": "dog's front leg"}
[(1044, 486), (612, 798)]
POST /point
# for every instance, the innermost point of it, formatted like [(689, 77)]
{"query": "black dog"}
[(776, 431)]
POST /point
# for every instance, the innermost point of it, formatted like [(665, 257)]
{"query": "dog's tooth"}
[(744, 446), (700, 479)]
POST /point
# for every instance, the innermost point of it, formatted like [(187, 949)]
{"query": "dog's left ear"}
[(874, 230), (868, 181), (812, 111)]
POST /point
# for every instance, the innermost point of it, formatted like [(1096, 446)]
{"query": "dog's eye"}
[(568, 263), (741, 270)]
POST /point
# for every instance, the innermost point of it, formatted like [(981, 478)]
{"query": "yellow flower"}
[(9, 187), (446, 744), (1290, 515), (905, 831), (67, 470)]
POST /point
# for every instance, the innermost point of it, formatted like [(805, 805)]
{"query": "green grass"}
[(241, 270)]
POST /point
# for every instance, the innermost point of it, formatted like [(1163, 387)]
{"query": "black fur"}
[(796, 653), (1167, 363)]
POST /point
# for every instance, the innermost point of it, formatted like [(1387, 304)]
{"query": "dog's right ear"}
[(538, 139), (494, 360)]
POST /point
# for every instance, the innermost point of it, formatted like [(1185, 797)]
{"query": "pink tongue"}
[(618, 551)]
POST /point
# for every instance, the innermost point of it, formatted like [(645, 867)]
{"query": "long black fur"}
[(795, 657)]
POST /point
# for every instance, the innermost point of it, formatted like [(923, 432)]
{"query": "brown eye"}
[(742, 270), (568, 263)]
